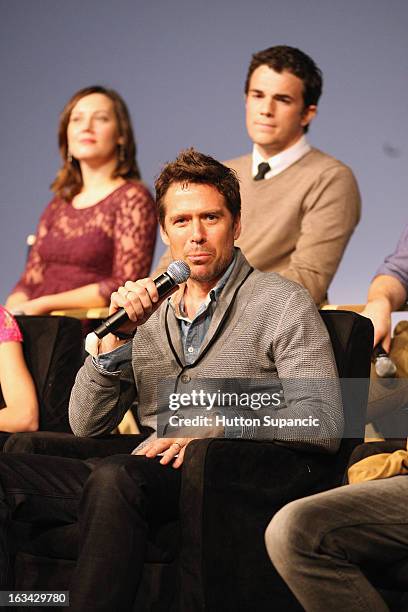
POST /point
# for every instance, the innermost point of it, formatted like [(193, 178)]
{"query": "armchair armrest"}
[(354, 307), (351, 307), (82, 313), (230, 490)]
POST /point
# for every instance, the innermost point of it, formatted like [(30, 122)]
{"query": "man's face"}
[(275, 113), (199, 228)]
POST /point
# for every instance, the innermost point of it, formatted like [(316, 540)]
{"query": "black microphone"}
[(177, 272), (384, 365)]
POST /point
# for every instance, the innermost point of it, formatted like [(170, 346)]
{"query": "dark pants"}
[(114, 500)]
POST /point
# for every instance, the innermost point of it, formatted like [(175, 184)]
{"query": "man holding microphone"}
[(227, 322)]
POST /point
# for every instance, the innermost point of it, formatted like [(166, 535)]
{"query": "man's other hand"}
[(173, 449), (170, 448)]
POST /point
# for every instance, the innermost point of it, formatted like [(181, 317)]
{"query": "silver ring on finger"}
[(177, 444)]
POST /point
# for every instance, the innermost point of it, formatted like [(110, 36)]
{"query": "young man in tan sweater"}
[(299, 205)]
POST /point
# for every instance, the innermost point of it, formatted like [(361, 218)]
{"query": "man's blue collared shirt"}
[(193, 331)]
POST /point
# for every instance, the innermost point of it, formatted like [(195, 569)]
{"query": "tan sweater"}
[(299, 222)]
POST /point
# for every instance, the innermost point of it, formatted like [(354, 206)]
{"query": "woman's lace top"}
[(108, 243), (9, 330)]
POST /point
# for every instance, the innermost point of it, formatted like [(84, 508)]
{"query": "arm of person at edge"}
[(21, 412), (388, 291), (386, 294)]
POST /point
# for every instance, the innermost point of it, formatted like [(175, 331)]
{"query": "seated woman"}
[(99, 230), (19, 402)]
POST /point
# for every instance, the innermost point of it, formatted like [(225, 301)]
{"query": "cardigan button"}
[(185, 378)]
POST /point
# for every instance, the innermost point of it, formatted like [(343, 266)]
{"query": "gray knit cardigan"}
[(264, 328)]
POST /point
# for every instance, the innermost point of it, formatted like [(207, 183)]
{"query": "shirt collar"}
[(177, 299), (280, 161)]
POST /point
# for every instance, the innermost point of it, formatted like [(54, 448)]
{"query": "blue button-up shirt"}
[(193, 331)]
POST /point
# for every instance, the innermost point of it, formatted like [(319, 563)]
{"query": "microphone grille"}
[(178, 271), (385, 367)]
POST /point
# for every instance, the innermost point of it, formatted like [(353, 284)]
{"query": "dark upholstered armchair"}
[(230, 491), (53, 353)]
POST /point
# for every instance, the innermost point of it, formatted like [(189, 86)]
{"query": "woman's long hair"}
[(68, 181)]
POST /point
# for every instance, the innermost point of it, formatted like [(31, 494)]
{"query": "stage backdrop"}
[(181, 65)]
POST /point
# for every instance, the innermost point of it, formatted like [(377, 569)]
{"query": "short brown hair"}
[(68, 181), (191, 166)]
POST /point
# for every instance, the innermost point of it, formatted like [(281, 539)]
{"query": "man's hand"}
[(140, 299), (170, 447), (379, 311)]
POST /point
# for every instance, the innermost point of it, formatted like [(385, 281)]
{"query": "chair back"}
[(352, 337), (53, 349)]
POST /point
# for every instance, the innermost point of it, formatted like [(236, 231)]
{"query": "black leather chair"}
[(213, 559), (53, 352)]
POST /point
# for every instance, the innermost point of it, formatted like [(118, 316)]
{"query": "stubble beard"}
[(214, 274)]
